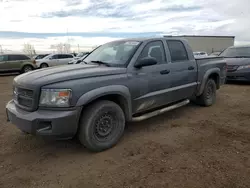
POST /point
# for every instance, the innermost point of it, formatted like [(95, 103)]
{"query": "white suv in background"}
[(200, 54), (54, 60)]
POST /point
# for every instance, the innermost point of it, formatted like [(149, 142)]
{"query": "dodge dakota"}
[(120, 81)]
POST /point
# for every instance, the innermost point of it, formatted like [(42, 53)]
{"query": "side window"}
[(177, 51), (13, 57), (154, 49), (60, 56), (23, 57), (68, 56), (55, 57), (3, 58), (64, 56)]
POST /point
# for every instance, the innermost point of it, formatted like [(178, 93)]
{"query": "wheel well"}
[(118, 99), (27, 65), (216, 78), (43, 63)]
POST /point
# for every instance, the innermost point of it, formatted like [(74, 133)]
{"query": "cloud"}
[(73, 2), (44, 21)]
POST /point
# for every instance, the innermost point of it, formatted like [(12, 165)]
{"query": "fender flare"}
[(205, 78), (120, 90)]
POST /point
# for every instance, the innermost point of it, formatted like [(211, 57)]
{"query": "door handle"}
[(165, 72), (191, 68)]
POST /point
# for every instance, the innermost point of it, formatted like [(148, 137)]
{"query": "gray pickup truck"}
[(120, 81)]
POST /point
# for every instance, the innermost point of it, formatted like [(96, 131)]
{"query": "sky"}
[(88, 23)]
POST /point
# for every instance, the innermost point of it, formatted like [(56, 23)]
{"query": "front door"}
[(66, 59), (54, 60), (151, 82)]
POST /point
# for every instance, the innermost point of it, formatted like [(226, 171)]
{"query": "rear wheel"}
[(101, 126), (27, 68), (25, 133), (208, 97), (44, 65)]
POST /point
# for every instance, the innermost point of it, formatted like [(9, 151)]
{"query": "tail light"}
[(34, 62)]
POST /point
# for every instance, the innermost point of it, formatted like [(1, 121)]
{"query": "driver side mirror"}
[(147, 61)]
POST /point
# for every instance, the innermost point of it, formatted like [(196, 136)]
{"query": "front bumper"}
[(238, 76), (59, 124)]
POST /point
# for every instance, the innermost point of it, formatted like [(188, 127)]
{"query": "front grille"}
[(24, 97), (232, 68)]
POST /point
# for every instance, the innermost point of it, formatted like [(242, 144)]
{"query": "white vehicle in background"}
[(80, 55), (78, 60), (214, 54), (54, 60), (200, 54)]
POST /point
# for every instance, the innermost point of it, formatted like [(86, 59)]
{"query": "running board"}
[(160, 111)]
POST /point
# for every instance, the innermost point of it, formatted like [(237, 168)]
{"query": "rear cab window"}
[(177, 51)]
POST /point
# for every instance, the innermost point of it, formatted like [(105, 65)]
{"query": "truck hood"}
[(238, 61), (51, 75)]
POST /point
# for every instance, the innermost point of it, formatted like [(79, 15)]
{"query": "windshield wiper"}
[(84, 62), (101, 63)]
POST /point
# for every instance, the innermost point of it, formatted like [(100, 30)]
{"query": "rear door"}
[(183, 71), (13, 63)]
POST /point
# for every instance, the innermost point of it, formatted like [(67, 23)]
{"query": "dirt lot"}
[(189, 147)]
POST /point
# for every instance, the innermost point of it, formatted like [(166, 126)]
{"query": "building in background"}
[(208, 44)]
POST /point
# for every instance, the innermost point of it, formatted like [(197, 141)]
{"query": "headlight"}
[(244, 67), (55, 97)]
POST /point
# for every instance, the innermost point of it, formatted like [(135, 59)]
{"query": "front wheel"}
[(101, 126), (208, 97), (27, 68), (44, 65)]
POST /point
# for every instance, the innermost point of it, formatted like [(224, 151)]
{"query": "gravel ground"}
[(190, 147)]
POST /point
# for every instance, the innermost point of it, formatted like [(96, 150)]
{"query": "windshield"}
[(236, 52), (48, 56), (41, 56), (114, 53)]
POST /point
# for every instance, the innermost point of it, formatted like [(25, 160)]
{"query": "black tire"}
[(101, 126), (44, 65), (208, 97), (25, 133), (27, 68)]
